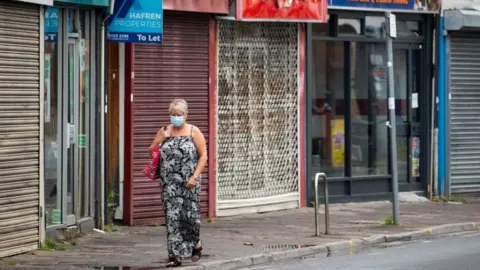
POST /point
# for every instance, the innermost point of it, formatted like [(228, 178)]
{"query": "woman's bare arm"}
[(159, 138), (201, 146)]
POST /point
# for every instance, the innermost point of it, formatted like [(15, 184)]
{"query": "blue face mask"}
[(177, 121)]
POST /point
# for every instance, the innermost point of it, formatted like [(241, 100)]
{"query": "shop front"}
[(347, 104), (460, 55), (178, 67), (72, 129), (21, 148), (260, 107)]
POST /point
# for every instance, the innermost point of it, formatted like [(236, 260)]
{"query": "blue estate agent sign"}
[(51, 24), (377, 4), (136, 21)]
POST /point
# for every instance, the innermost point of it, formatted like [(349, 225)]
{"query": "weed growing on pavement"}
[(112, 207), (9, 262), (110, 228), (211, 220), (388, 221), (49, 244), (52, 245), (454, 198), (155, 224)]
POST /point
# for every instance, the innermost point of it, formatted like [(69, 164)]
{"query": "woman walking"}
[(183, 155)]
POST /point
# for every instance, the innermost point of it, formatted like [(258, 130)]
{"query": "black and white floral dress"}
[(178, 161)]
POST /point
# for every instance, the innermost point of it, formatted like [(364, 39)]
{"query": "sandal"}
[(197, 252), (173, 263)]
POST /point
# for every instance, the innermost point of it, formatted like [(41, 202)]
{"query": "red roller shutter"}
[(179, 68)]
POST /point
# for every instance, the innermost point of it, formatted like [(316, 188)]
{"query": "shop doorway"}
[(77, 112), (349, 116), (72, 123), (71, 129), (347, 104), (408, 90)]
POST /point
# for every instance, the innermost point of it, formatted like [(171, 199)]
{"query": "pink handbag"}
[(150, 170)]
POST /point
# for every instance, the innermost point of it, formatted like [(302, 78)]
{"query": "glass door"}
[(328, 109), (72, 123), (415, 128), (407, 68), (76, 115)]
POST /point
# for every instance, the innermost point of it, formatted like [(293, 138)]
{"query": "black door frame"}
[(412, 129), (424, 98)]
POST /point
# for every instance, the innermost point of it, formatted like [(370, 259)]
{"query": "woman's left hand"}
[(192, 183)]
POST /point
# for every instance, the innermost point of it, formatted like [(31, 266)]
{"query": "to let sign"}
[(51, 24), (137, 21)]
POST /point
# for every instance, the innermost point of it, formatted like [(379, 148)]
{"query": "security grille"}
[(257, 123), (20, 173), (465, 112)]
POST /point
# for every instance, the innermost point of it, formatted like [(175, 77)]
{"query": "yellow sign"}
[(338, 142)]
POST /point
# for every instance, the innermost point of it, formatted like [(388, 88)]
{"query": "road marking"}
[(375, 254)]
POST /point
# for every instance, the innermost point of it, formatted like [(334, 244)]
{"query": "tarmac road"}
[(459, 252)]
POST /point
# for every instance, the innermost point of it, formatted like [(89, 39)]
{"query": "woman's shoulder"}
[(194, 128)]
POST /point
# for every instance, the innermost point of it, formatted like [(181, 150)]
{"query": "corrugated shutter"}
[(176, 69), (19, 127), (465, 113)]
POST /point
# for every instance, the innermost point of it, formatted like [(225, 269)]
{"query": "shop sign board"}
[(460, 4), (39, 2), (282, 10), (138, 21), (205, 6), (98, 3), (425, 6)]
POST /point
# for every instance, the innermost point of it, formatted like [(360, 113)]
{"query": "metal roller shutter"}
[(176, 69), (19, 127), (465, 113)]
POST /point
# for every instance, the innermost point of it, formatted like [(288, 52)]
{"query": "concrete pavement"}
[(454, 252), (259, 236)]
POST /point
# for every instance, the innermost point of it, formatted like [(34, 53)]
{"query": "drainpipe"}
[(442, 101), (103, 111)]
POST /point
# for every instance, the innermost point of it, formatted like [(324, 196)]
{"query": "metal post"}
[(317, 228), (323, 176), (327, 211), (391, 31)]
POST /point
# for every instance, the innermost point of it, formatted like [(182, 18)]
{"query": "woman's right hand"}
[(162, 134), (150, 151)]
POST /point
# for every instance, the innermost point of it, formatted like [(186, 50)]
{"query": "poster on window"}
[(283, 10), (428, 6), (83, 69), (338, 142), (415, 156), (47, 86)]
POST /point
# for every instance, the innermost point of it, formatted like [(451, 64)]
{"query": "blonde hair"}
[(180, 104)]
